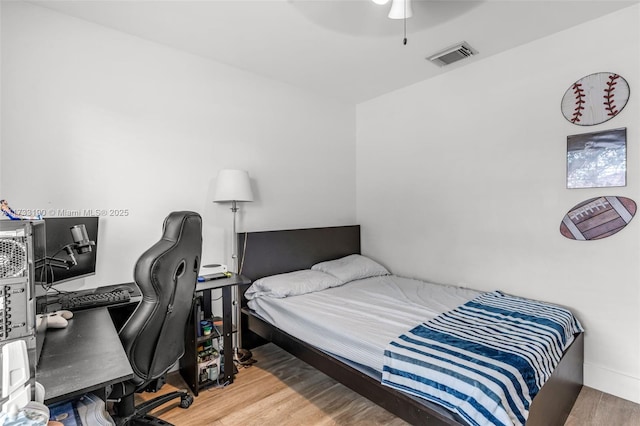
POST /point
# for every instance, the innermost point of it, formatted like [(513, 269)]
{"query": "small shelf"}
[(216, 333), (213, 335), (196, 345), (207, 383)]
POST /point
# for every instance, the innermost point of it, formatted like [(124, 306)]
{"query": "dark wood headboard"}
[(261, 254), (276, 252)]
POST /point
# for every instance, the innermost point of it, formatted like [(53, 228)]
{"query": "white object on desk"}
[(15, 375), (211, 269), (19, 409)]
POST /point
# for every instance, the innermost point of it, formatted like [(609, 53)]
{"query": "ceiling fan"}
[(400, 9)]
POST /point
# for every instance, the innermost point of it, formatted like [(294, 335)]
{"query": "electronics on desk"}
[(98, 299), (14, 309), (64, 236), (102, 296), (212, 268), (22, 250), (109, 296), (212, 271)]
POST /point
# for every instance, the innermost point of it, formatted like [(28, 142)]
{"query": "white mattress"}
[(357, 320)]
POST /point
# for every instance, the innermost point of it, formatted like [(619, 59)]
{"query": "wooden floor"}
[(282, 390)]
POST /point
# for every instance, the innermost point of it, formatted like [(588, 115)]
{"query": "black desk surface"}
[(234, 279), (83, 357)]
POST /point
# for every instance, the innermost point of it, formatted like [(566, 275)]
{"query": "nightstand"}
[(199, 345)]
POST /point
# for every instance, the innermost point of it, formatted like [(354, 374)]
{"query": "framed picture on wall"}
[(597, 159)]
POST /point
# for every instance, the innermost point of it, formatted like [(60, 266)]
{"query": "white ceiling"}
[(347, 49)]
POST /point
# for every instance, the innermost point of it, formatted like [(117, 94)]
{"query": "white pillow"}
[(352, 267), (292, 284)]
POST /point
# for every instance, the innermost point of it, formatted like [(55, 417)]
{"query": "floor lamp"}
[(234, 186)]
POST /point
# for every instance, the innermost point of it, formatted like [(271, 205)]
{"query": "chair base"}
[(148, 420), (139, 415)]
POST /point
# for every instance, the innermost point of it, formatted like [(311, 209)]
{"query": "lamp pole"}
[(236, 291), (234, 240), (235, 186)]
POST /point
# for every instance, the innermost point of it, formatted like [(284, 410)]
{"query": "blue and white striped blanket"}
[(485, 360)]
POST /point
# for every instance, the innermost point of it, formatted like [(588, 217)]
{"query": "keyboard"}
[(94, 300)]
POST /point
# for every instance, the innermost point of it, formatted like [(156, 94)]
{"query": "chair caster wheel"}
[(186, 401)]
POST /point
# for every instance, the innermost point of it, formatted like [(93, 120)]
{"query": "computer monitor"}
[(59, 265)]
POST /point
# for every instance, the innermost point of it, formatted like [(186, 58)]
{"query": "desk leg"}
[(227, 329)]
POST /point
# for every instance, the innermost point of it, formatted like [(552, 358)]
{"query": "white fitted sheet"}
[(357, 320)]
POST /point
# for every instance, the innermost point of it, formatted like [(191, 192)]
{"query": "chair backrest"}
[(153, 337)]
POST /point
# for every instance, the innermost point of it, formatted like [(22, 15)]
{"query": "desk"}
[(86, 356)]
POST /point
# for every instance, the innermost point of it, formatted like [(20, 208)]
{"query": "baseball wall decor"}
[(597, 218), (595, 99)]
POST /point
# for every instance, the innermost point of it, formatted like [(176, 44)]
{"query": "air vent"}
[(453, 54)]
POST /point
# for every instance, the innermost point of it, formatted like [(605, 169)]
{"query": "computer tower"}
[(22, 259)]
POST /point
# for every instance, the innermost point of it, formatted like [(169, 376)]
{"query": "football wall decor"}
[(597, 218)]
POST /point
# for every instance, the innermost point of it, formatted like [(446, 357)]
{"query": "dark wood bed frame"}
[(273, 252)]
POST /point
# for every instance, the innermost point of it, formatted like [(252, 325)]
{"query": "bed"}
[(270, 253)]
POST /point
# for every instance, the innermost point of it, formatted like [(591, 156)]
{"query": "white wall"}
[(461, 179), (97, 119)]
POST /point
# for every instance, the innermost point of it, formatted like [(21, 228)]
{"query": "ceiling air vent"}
[(453, 54)]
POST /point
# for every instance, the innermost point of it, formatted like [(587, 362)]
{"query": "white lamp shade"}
[(233, 185), (401, 9), (380, 1)]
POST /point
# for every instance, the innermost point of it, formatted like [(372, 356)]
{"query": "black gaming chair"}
[(153, 337)]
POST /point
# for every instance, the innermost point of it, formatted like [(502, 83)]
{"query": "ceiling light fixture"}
[(400, 9)]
